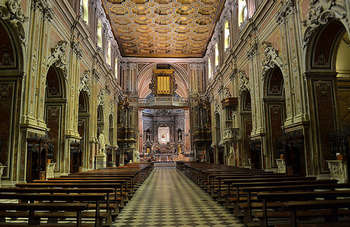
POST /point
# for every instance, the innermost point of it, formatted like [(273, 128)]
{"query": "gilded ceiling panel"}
[(163, 28)]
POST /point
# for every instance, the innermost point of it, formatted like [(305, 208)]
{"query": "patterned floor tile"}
[(168, 198)]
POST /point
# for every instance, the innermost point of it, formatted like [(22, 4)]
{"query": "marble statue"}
[(101, 141)]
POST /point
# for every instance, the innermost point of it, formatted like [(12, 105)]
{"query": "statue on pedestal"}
[(101, 141)]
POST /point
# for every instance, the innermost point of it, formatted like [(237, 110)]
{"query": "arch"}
[(145, 76), (218, 127), (320, 54), (274, 103), (100, 116), (55, 112), (83, 102), (246, 122), (327, 63), (11, 72), (274, 83), (321, 13), (246, 101), (111, 127), (83, 129), (55, 83)]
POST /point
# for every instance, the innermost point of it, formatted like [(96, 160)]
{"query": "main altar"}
[(165, 136)]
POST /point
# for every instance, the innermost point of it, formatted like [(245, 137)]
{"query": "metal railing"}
[(163, 101)]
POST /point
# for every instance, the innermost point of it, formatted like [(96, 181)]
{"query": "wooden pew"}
[(97, 199), (118, 198), (7, 210), (271, 199)]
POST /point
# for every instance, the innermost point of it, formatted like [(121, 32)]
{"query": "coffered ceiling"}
[(163, 28)]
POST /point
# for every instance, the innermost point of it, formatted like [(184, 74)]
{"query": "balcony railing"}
[(163, 101)]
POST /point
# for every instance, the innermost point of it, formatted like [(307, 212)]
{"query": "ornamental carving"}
[(84, 82), (101, 98), (252, 51), (287, 9), (44, 7), (58, 56), (76, 49), (227, 93), (320, 13), (243, 82), (271, 59), (12, 13)]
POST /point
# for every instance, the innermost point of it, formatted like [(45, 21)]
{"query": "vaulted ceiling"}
[(163, 28)]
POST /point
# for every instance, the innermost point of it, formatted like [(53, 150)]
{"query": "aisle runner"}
[(168, 198)]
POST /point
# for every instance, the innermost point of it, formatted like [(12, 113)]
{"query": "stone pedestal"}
[(338, 170), (101, 161), (50, 171), (281, 166)]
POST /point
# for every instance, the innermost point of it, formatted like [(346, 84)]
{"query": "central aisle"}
[(168, 198)]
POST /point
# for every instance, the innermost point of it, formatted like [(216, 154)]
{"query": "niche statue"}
[(101, 141)]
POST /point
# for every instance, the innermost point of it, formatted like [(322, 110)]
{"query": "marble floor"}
[(169, 198)]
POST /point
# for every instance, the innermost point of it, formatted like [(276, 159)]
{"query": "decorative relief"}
[(320, 13), (84, 82), (101, 98), (96, 74), (252, 51), (76, 49), (58, 56), (287, 9), (243, 82), (44, 7), (272, 58), (12, 13), (227, 93)]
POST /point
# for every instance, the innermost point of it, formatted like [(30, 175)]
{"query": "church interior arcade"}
[(102, 90), (245, 91)]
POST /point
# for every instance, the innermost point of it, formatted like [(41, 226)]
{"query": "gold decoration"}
[(162, 28)]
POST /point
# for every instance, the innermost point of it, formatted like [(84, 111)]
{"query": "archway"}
[(50, 149), (10, 102), (100, 130), (274, 102), (220, 148), (109, 150), (81, 158), (329, 87), (249, 157)]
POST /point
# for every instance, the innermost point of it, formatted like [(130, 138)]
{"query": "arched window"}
[(99, 33), (216, 54), (84, 10), (242, 11), (227, 35), (109, 53), (116, 68), (210, 73)]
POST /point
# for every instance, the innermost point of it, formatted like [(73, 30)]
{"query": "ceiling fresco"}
[(163, 28)]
